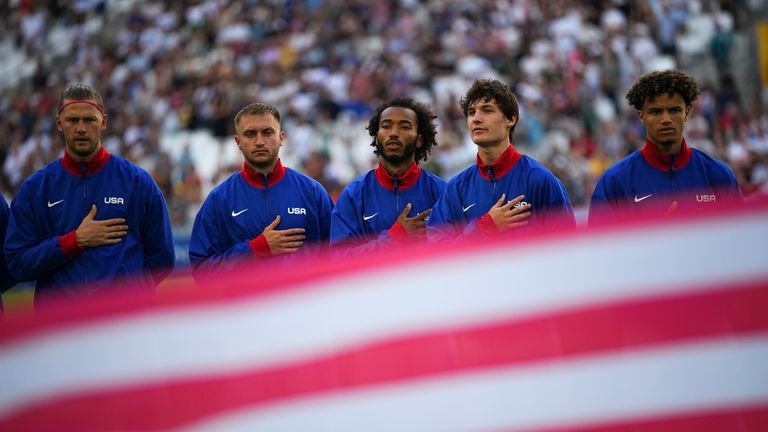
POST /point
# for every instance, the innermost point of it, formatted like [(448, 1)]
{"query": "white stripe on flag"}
[(639, 384)]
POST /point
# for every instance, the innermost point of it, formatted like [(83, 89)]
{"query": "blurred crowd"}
[(174, 73)]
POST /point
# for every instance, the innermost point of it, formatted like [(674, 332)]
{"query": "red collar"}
[(503, 164), (257, 179), (388, 182), (662, 161), (96, 162)]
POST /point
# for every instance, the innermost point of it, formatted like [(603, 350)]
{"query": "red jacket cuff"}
[(68, 244), (260, 247), (398, 233), (487, 226)]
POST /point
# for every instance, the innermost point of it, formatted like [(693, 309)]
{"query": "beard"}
[(408, 150), (79, 149)]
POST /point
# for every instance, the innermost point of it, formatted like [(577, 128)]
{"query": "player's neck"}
[(396, 169), (490, 154), (668, 148), (86, 158), (263, 169)]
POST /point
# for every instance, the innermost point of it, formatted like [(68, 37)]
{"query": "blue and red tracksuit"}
[(6, 279), (230, 222), (365, 215), (463, 208), (41, 242), (647, 182)]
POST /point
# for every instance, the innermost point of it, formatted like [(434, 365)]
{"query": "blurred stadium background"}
[(173, 74)]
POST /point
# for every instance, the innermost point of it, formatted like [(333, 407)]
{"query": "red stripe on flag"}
[(629, 325)]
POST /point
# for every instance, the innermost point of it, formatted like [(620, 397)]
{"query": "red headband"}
[(85, 101)]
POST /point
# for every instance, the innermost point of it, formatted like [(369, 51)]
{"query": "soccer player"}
[(505, 190), (6, 279), (390, 204), (265, 210), (665, 175), (89, 219)]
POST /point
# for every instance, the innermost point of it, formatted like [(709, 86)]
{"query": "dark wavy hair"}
[(656, 83), (490, 89), (425, 125)]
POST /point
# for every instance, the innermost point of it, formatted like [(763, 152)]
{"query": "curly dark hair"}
[(656, 83), (490, 89), (425, 125)]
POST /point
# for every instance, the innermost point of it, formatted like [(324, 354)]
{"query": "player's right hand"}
[(283, 241), (415, 226), (93, 233), (510, 215)]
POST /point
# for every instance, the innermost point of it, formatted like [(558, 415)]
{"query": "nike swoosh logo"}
[(464, 209), (235, 214), (51, 204), (638, 199), (365, 218)]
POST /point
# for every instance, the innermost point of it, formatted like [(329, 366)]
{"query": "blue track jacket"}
[(365, 216), (6, 279), (230, 222), (647, 182), (462, 210), (41, 243)]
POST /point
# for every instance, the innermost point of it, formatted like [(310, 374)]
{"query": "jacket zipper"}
[(396, 188), (492, 178), (87, 210), (672, 176), (266, 198)]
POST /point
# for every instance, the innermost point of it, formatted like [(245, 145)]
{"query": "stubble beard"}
[(83, 153), (261, 164)]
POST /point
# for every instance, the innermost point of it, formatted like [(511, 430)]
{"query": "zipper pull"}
[(396, 188)]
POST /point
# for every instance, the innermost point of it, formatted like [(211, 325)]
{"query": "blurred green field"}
[(19, 299)]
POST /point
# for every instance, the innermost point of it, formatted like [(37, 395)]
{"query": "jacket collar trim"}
[(91, 166), (256, 179)]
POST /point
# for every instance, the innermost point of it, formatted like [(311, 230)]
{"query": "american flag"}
[(655, 326)]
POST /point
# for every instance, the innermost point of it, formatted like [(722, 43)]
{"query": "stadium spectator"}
[(90, 218), (666, 175), (265, 210), (505, 189), (390, 204)]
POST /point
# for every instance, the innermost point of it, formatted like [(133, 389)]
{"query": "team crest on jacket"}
[(706, 198), (114, 200)]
